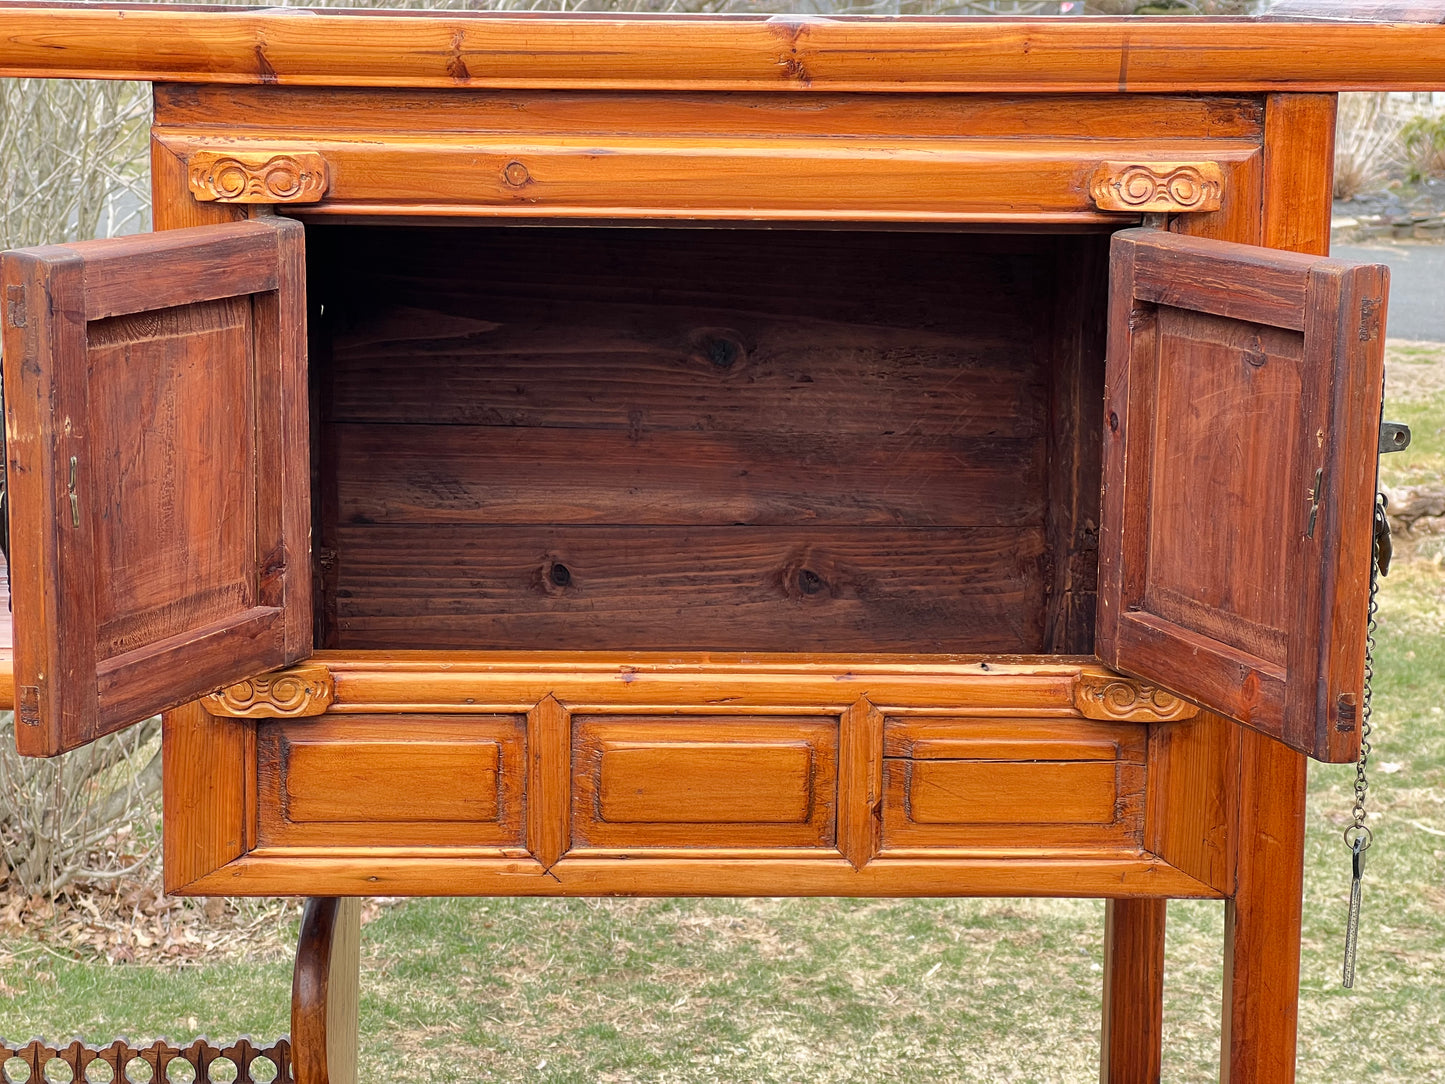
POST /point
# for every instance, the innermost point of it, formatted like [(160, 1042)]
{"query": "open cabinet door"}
[(1241, 433), (158, 468)]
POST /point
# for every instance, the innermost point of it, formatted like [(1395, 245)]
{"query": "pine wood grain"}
[(1193, 795), (766, 873), (860, 783), (1133, 1028), (704, 782), (952, 783), (549, 781), (1262, 922), (654, 52), (209, 804), (660, 386), (325, 992), (277, 111), (720, 588), (388, 781)]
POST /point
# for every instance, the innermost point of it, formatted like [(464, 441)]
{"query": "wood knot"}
[(719, 347), (516, 175), (808, 576), (554, 577)]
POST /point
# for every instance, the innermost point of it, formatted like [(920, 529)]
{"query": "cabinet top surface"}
[(1292, 50)]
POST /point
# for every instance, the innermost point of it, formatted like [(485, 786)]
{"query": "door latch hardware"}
[(1315, 494), (74, 496), (1394, 437)]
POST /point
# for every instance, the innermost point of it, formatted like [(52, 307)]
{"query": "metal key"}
[(1352, 924)]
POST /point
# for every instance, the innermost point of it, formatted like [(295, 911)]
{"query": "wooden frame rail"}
[(719, 53)]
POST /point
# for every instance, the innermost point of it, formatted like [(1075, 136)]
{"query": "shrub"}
[(1423, 141)]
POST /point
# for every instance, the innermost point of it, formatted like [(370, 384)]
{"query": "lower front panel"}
[(585, 775)]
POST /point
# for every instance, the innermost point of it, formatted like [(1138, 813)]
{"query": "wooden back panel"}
[(667, 439)]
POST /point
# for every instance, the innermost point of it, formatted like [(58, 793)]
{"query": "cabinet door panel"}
[(156, 426), (1241, 422)]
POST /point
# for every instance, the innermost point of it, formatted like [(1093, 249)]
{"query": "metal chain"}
[(1358, 836), (1358, 828)]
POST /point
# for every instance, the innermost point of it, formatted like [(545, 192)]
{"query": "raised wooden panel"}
[(701, 782), (962, 792), (964, 783), (692, 783), (392, 781)]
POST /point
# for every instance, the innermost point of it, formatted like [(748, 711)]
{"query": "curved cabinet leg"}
[(1262, 921), (1132, 1038), (324, 992)]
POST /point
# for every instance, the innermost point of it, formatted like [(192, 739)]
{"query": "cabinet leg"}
[(1132, 1037), (324, 992), (1262, 921)]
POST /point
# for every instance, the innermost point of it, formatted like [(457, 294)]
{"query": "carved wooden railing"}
[(242, 1062), (323, 1024)]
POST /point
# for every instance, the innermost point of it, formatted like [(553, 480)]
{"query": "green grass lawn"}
[(845, 990)]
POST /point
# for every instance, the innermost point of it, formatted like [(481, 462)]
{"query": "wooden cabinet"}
[(870, 478)]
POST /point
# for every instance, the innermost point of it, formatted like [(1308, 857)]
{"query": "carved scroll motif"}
[(257, 176), (288, 694), (1099, 696), (1158, 186)]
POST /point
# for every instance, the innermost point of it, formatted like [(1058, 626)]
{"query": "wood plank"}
[(1133, 1029), (580, 363), (621, 588), (1083, 875), (262, 112), (726, 177), (204, 769), (986, 690), (463, 474), (1193, 790), (451, 49), (927, 737), (1076, 342)]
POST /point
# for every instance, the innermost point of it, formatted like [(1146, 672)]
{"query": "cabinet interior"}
[(647, 438)]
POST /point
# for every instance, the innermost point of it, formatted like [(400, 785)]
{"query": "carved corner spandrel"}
[(1154, 187), (234, 176), (1110, 698), (294, 693)]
